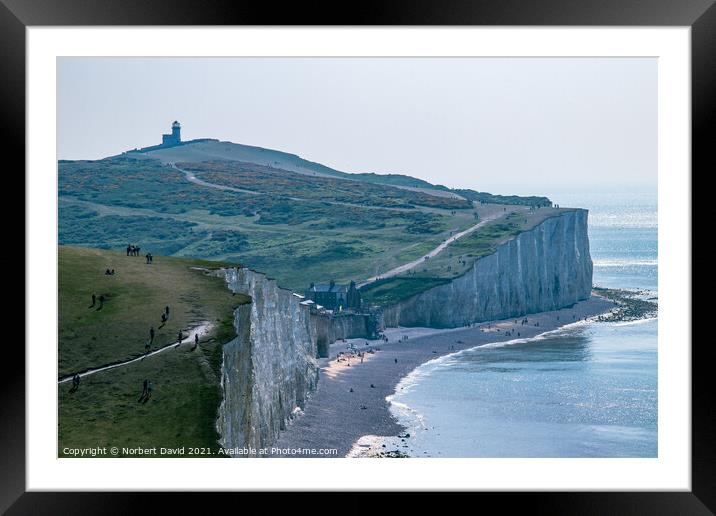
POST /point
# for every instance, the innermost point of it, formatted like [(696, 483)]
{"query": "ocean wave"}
[(634, 322), (414, 420), (427, 368)]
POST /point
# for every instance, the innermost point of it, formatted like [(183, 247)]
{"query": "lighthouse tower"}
[(170, 140)]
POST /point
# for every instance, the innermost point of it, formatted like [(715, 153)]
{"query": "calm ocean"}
[(585, 391)]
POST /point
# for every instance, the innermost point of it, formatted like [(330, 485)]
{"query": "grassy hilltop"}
[(104, 411), (297, 221)]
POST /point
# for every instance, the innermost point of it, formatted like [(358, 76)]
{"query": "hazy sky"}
[(505, 125)]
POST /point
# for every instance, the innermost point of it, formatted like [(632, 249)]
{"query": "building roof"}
[(327, 287)]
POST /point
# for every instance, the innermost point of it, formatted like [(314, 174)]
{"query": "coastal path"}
[(408, 266), (193, 179), (200, 329)]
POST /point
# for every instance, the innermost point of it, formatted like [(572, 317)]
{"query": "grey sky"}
[(507, 125)]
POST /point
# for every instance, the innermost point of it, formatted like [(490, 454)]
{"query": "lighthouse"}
[(170, 140), (176, 131)]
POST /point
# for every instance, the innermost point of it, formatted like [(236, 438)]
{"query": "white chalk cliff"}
[(270, 367), (542, 269)]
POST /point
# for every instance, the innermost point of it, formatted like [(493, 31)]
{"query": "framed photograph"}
[(270, 254)]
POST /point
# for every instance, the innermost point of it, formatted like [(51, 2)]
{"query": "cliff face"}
[(327, 329), (270, 367), (542, 269)]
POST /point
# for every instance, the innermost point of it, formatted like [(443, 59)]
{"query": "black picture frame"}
[(700, 15)]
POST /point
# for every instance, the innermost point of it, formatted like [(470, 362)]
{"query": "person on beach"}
[(101, 303), (196, 341), (164, 318), (396, 360), (147, 257), (166, 311), (94, 301), (151, 335), (180, 337), (150, 388), (129, 249)]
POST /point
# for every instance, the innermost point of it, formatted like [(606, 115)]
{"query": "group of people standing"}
[(132, 250)]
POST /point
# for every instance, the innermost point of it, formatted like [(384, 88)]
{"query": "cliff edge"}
[(545, 268)]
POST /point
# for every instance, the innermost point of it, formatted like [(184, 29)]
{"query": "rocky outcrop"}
[(545, 268), (270, 367)]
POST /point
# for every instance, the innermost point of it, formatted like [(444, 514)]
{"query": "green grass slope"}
[(211, 150), (458, 258), (298, 230), (105, 411), (297, 221)]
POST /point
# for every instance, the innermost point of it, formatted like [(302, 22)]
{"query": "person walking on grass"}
[(101, 303), (166, 311), (145, 389), (151, 335), (179, 338), (150, 388), (75, 382), (94, 301)]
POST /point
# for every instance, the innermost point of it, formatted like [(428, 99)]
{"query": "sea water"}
[(587, 390)]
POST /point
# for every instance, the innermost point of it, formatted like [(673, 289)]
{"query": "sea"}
[(586, 390)]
